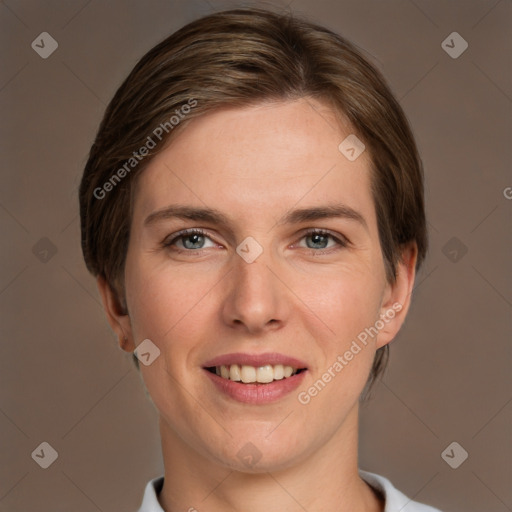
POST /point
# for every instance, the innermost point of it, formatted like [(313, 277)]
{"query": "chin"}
[(259, 455)]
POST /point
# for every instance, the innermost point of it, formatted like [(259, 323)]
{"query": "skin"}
[(255, 165)]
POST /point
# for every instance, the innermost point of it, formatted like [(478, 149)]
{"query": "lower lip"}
[(257, 393)]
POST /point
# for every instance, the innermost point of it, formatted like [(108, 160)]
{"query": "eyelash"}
[(183, 234), (341, 241)]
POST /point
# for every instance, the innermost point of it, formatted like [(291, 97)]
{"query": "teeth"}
[(278, 372), (234, 373), (265, 374), (249, 374)]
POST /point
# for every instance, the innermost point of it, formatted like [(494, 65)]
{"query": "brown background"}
[(64, 381)]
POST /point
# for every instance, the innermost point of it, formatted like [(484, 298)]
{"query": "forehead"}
[(257, 160)]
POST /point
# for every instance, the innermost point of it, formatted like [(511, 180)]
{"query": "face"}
[(254, 248)]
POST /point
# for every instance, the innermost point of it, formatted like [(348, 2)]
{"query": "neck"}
[(194, 482)]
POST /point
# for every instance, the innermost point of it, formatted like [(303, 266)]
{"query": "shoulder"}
[(394, 499)]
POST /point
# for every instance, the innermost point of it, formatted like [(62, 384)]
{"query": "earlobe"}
[(118, 319), (397, 298)]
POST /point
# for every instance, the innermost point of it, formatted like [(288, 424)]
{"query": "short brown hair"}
[(239, 58)]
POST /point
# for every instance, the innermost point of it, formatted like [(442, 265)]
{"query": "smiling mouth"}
[(255, 375)]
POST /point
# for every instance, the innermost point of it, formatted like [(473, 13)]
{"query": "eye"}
[(318, 239), (189, 240)]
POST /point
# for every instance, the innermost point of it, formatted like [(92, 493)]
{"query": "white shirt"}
[(395, 501)]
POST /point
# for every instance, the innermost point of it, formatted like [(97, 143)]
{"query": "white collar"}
[(394, 499)]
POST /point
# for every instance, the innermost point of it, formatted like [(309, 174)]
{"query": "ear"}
[(118, 319), (397, 296)]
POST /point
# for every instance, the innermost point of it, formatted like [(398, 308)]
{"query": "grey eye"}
[(193, 241), (318, 241)]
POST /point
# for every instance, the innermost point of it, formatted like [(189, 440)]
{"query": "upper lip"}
[(255, 360)]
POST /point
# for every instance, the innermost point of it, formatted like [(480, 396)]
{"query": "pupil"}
[(319, 241), (197, 241)]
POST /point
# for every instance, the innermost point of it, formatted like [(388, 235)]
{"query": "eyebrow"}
[(323, 212), (296, 216), (188, 213)]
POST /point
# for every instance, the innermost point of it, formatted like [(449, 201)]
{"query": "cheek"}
[(146, 306), (165, 307), (348, 305), (176, 311), (346, 300)]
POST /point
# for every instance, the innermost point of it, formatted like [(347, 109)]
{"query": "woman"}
[(252, 209)]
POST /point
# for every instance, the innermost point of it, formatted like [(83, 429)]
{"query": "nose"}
[(255, 299)]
